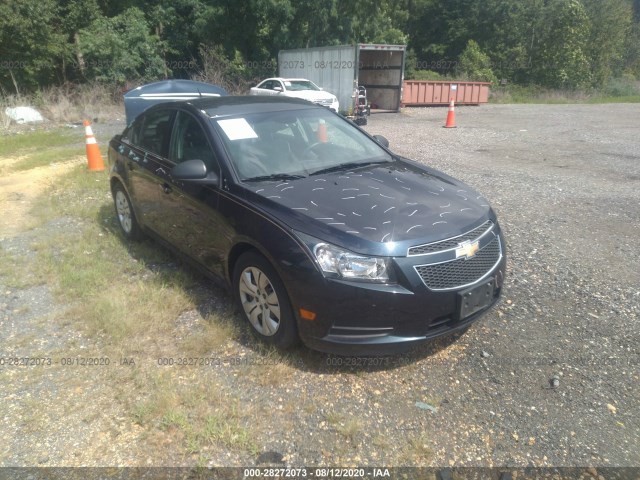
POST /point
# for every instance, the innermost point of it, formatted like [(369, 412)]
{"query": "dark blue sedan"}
[(322, 233)]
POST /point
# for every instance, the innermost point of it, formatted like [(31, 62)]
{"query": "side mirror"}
[(382, 140), (194, 171), (278, 89)]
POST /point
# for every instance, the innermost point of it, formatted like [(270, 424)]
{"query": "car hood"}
[(378, 209), (311, 95)]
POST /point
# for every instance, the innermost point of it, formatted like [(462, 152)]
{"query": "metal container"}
[(428, 92), (339, 69)]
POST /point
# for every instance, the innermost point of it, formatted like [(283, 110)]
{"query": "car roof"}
[(247, 104)]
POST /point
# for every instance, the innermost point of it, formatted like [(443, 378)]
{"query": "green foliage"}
[(566, 44), (625, 86), (31, 44), (559, 56), (425, 75), (610, 26), (475, 65), (233, 74), (121, 48)]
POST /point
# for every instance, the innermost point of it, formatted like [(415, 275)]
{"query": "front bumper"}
[(369, 319), (354, 318)]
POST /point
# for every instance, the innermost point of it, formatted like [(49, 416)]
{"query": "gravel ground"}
[(549, 378)]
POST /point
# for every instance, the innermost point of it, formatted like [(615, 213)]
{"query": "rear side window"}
[(155, 133)]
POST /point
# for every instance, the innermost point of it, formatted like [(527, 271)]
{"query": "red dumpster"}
[(418, 93)]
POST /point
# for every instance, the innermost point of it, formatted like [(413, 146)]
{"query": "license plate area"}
[(477, 298)]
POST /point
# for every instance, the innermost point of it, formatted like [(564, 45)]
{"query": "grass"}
[(125, 299), (38, 140), (417, 450), (618, 91), (47, 157), (196, 414), (25, 151), (17, 272), (128, 296), (351, 428), (69, 103), (269, 367)]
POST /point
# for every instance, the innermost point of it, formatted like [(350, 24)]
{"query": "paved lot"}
[(565, 182)]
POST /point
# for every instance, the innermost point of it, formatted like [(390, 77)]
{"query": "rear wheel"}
[(124, 211), (263, 300)]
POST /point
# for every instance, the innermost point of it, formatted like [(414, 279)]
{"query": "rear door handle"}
[(166, 188)]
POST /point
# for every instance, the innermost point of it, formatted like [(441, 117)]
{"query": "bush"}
[(218, 69), (69, 103), (425, 75), (626, 86), (475, 65), (120, 48)]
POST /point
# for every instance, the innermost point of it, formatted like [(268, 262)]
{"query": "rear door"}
[(147, 157)]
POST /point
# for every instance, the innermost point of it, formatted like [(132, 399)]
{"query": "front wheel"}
[(264, 301)]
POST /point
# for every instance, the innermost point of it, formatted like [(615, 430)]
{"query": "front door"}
[(191, 219)]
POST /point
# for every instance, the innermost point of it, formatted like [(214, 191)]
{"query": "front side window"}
[(270, 85), (190, 142)]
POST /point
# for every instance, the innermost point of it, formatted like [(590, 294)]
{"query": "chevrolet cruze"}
[(323, 234)]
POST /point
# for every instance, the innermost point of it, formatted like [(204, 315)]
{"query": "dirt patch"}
[(18, 191)]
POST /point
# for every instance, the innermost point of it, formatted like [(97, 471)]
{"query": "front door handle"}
[(166, 188)]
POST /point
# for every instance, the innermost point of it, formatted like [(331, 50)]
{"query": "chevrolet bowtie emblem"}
[(467, 249)]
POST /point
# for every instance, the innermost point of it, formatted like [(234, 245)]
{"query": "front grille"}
[(461, 272), (325, 103), (450, 243)]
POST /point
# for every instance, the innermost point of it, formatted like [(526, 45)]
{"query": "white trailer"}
[(341, 69)]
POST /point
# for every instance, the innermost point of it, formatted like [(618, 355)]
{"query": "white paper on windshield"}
[(237, 129)]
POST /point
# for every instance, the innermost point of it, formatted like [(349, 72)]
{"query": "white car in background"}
[(298, 88)]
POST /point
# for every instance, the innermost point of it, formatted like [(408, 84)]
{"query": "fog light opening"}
[(307, 314)]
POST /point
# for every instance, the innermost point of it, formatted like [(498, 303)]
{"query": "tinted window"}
[(190, 142), (156, 132)]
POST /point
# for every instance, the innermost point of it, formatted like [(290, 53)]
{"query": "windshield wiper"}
[(274, 176), (347, 166)]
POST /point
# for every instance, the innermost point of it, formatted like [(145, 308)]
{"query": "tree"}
[(32, 45), (610, 26), (559, 45), (475, 65), (121, 48)]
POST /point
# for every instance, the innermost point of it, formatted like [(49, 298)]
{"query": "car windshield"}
[(295, 143), (297, 85)]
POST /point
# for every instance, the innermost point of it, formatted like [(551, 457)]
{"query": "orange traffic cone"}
[(93, 151), (451, 116), (322, 132)]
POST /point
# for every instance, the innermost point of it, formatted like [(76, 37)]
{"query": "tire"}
[(263, 300), (125, 214)]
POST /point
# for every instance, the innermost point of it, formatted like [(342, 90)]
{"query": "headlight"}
[(336, 261)]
